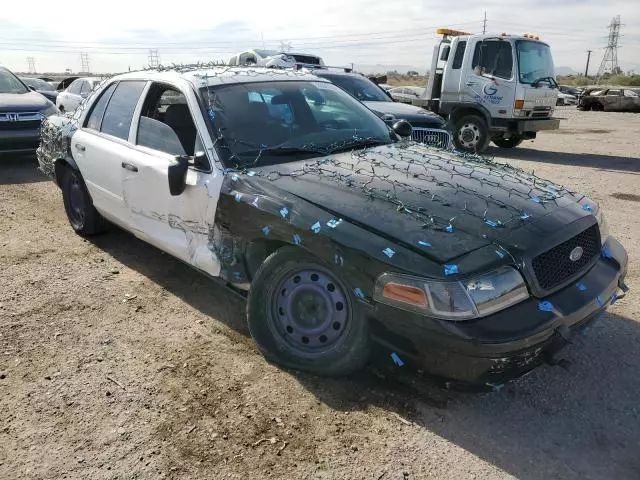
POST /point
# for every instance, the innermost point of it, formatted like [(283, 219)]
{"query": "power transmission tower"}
[(285, 46), (154, 59), (484, 24), (84, 59), (31, 61), (586, 70), (610, 60)]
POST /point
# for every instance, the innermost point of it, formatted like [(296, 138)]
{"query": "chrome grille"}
[(541, 112), (11, 117), (431, 136)]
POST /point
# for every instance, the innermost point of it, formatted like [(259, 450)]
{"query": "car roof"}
[(218, 75)]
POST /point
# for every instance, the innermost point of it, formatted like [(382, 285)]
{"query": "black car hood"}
[(434, 202), (22, 102), (415, 115)]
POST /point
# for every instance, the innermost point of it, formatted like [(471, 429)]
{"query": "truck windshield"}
[(280, 121), (534, 62)]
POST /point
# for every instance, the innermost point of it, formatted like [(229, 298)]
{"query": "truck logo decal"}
[(489, 89)]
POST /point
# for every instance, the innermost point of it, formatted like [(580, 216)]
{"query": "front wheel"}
[(83, 217), (471, 134), (510, 142), (302, 316)]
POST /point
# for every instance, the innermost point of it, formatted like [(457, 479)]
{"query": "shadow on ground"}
[(604, 162), (19, 169), (580, 422)]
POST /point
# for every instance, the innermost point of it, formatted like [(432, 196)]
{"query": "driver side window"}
[(493, 57)]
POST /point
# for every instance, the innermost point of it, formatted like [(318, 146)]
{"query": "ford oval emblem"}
[(576, 254)]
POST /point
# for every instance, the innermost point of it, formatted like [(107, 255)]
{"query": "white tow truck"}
[(498, 88)]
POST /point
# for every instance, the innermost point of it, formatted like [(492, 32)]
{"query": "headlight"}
[(462, 300), (593, 208), (50, 110)]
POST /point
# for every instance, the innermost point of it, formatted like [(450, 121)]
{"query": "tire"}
[(510, 142), (302, 316), (470, 134), (597, 107), (83, 217)]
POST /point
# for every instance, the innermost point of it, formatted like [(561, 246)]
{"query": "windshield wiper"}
[(284, 151), (551, 80), (359, 143)]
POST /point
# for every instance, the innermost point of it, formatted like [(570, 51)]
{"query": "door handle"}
[(80, 147), (470, 84), (129, 166)]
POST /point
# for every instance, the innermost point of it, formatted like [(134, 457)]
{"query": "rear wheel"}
[(597, 107), (303, 316), (507, 142), (83, 217), (471, 134)]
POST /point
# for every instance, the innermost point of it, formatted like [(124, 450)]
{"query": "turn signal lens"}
[(405, 294), (519, 104)]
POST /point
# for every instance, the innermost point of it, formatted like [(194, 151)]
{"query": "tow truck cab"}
[(498, 88)]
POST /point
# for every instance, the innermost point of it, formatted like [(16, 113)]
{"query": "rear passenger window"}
[(95, 118), (457, 59), (119, 112)]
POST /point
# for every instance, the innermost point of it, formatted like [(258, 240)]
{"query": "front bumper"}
[(19, 140), (537, 125), (510, 343)]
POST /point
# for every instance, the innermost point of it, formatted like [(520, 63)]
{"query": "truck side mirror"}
[(402, 128), (178, 175)]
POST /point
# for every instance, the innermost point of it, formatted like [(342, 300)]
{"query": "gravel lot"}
[(118, 362)]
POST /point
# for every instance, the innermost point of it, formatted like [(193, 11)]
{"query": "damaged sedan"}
[(343, 233), (610, 100)]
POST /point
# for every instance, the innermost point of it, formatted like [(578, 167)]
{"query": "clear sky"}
[(118, 34)]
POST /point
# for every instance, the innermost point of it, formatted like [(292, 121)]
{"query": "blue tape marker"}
[(266, 230), (238, 197), (496, 387), (524, 216), (251, 173), (212, 114), (450, 228), (338, 259), (396, 359), (263, 145), (284, 211), (587, 207), (499, 253), (237, 275), (297, 240), (545, 306), (333, 223), (422, 243), (614, 298), (315, 228), (358, 293), (535, 199), (450, 269), (389, 252), (599, 301), (605, 252), (581, 286), (234, 177), (255, 202), (491, 223)]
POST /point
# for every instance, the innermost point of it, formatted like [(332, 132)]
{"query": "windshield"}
[(534, 62), (361, 88), (9, 83), (274, 122), (266, 53), (37, 84)]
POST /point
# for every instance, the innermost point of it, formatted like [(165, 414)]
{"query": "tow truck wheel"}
[(303, 316), (471, 134), (511, 142)]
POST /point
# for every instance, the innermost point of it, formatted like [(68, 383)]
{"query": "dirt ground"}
[(118, 362)]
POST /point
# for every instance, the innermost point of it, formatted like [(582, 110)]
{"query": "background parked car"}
[(69, 99), (406, 94), (42, 87), (427, 126), (610, 100), (575, 91), (566, 99), (21, 113)]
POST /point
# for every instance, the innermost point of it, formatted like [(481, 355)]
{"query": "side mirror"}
[(178, 175), (402, 128)]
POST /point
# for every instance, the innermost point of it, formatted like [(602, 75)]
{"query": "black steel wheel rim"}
[(310, 311), (76, 205)]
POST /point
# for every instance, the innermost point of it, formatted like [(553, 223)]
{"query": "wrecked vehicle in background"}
[(343, 234), (609, 100), (275, 59)]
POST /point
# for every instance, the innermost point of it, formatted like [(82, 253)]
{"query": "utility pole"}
[(154, 59), (610, 58), (31, 61), (484, 23), (586, 70), (84, 59)]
